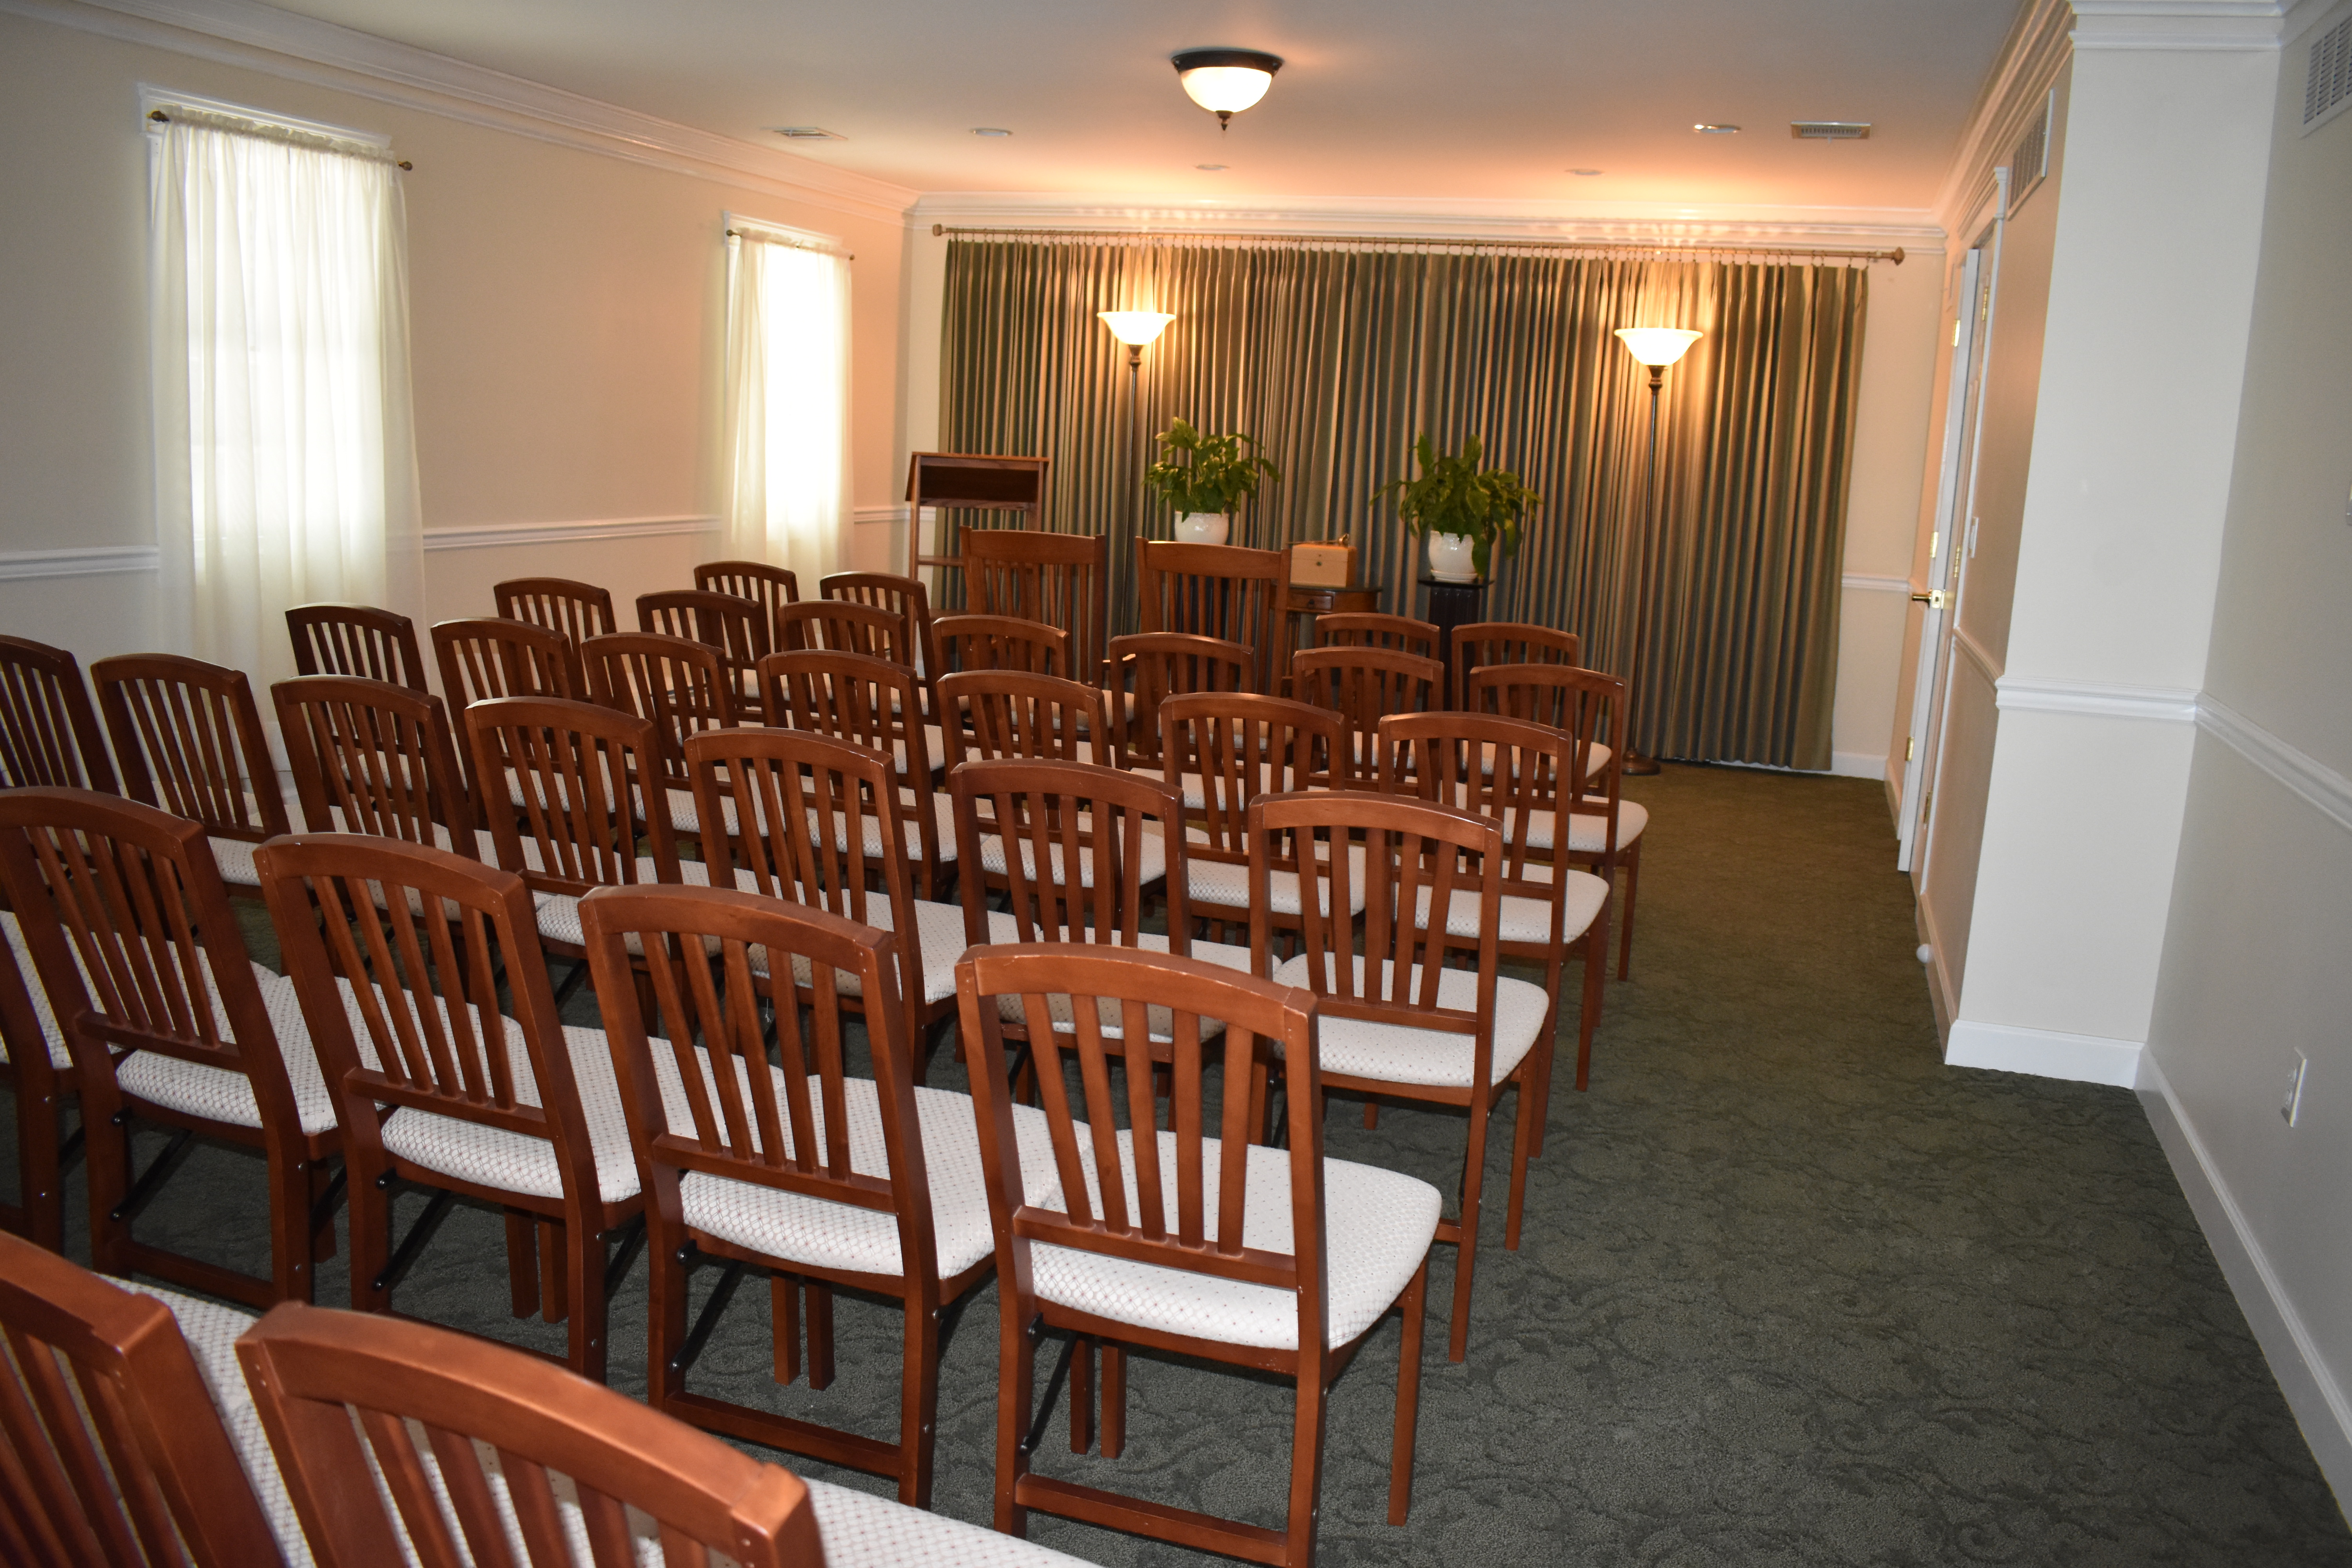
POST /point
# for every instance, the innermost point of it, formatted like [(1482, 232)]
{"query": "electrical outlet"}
[(2291, 1105)]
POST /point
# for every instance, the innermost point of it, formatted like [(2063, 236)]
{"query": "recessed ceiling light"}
[(1705, 128), (1830, 130), (808, 134), (1587, 172), (1212, 168), (990, 131)]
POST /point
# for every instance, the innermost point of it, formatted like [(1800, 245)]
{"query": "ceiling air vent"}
[(1830, 130), (2031, 160), (2328, 87), (808, 134)]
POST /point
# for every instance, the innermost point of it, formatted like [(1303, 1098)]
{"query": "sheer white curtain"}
[(787, 401), (285, 451)]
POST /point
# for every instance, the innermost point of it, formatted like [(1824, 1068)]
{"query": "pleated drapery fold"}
[(1336, 356)]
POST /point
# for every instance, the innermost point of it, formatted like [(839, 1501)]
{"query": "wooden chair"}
[(1061, 579), (866, 702), (481, 659), (846, 626), (168, 1023), (773, 587), (903, 596), (113, 1452), (1370, 629), (583, 775), (191, 741), (818, 821), (682, 686), (1148, 668), (1276, 1260), (1516, 774), (1219, 591), (1397, 1020), (48, 731), (356, 640), (39, 1072), (578, 610), (800, 1171), (1360, 683), (497, 1424), (1608, 829), (1011, 713), (740, 629), (371, 757), (1000, 642), (1223, 750), (1508, 642), (487, 1095)]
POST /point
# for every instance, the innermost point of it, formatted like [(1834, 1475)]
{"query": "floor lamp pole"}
[(1636, 761), (1134, 456)]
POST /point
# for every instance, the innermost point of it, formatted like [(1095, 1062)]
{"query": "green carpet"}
[(1792, 1292)]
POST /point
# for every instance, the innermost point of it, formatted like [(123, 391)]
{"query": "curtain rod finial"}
[(937, 229), (1897, 257)]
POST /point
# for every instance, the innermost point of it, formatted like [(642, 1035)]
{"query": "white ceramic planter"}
[(1201, 528), (1453, 558)]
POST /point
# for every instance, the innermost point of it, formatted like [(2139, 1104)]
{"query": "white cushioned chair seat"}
[(1196, 791), (839, 1236), (59, 1058), (221, 1094), (1525, 919), (234, 857), (1401, 1053), (1002, 929), (1224, 885), (1151, 856), (910, 828), (558, 914), (1587, 832), (940, 927), (862, 1531), (1378, 1226)]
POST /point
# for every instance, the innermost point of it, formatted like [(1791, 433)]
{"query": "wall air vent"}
[(1830, 130), (2031, 160), (808, 134), (2328, 88)]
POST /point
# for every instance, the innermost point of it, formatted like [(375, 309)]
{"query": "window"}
[(285, 465), (787, 397)]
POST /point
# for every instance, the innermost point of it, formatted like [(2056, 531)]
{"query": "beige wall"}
[(566, 312), (2253, 968)]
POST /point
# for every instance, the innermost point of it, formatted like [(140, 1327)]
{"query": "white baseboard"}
[(2318, 1401), (2043, 1053), (1858, 764)]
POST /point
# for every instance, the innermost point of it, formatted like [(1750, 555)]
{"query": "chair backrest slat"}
[(1074, 850), (1508, 642), (577, 610), (191, 741), (579, 779), (870, 703), (1148, 668), (1011, 713), (357, 640), (1219, 591), (903, 596), (677, 683), (1360, 683), (770, 587), (1374, 628), (739, 629), (48, 732), (371, 757), (1000, 642), (1233, 747), (1039, 574)]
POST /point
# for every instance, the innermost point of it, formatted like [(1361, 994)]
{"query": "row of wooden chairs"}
[(201, 1435)]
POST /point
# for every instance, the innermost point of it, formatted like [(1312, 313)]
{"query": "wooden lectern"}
[(974, 481)]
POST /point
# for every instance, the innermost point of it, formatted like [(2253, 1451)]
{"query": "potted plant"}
[(1204, 477), (1465, 511)]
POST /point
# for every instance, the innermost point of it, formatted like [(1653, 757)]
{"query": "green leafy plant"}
[(1216, 471), (1453, 495)]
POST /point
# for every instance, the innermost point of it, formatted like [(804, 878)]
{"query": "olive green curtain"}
[(1335, 354)]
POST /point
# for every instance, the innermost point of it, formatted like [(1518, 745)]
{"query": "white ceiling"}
[(1495, 99)]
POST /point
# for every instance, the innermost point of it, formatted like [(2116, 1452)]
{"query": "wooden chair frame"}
[(1482, 643), (744, 1115), (1135, 1225), (1221, 591), (48, 731), (1360, 683), (903, 596), (1376, 628), (117, 1456), (681, 685), (493, 656), (1000, 642), (771, 587), (190, 740), (740, 629), (377, 755), (865, 701), (1148, 668), (116, 894), (1225, 750), (40, 1087), (1037, 574), (357, 640), (578, 610), (312, 1369), (1013, 713)]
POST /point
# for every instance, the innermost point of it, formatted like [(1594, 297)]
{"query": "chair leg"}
[(784, 1325), (1114, 1400), (1016, 1392), (523, 1260), (1474, 1180), (555, 1293), (290, 1225), (40, 1183), (1082, 1397), (583, 1266), (1625, 927), (1596, 990), (1523, 1137), (1305, 1462), (918, 1403), (820, 1336), (1371, 1115), (1408, 1404), (106, 1162), (665, 1274)]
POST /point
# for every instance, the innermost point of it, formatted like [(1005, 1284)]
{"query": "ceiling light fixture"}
[(1587, 172), (990, 131), (1703, 129), (1226, 81), (808, 134), (1830, 130), (1212, 168)]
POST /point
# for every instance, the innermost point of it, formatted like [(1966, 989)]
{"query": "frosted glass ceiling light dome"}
[(1226, 81), (1658, 345)]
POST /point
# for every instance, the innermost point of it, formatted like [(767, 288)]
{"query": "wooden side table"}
[(1309, 603)]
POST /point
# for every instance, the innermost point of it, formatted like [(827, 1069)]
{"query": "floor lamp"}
[(1135, 329), (1656, 347)]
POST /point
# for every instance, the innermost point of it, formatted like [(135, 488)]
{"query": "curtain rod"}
[(292, 135), (1668, 249)]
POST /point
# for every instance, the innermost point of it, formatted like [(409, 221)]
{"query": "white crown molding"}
[(1439, 217), (2189, 25), (2043, 1053), (2305, 775), (98, 561), (2012, 94), (1864, 582), (594, 530), (2092, 699), (260, 37)]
